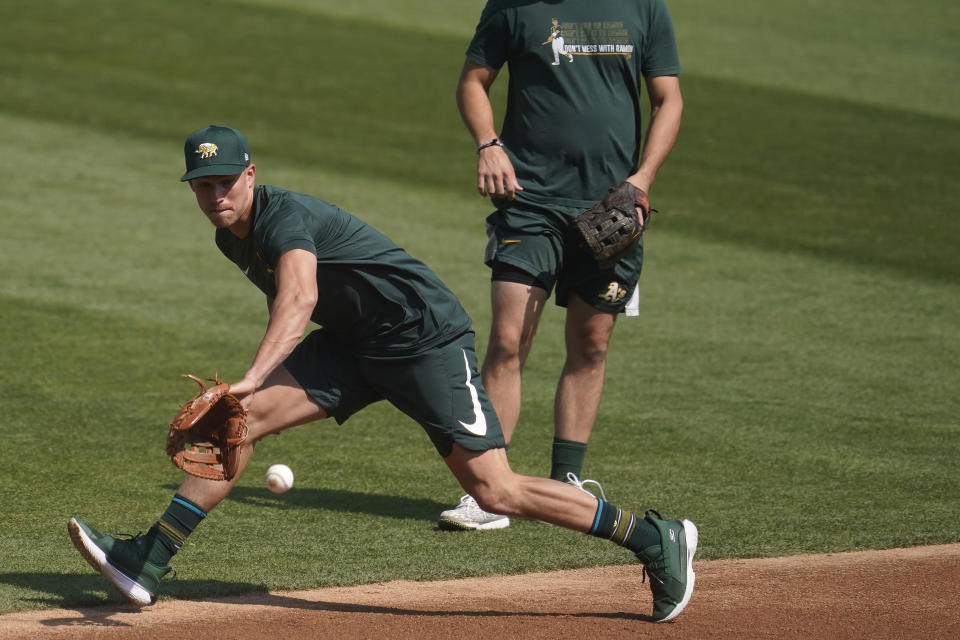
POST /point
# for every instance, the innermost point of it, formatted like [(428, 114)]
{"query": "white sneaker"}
[(580, 484), (468, 515)]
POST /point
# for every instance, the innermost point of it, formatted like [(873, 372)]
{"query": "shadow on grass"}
[(84, 594), (341, 501), (66, 591)]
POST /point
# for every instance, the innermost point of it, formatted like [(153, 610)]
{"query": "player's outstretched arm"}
[(290, 311)]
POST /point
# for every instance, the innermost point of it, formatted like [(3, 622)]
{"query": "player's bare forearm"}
[(495, 173), (286, 326), (666, 112), (290, 312)]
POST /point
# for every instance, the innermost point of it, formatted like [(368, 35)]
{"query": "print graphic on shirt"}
[(555, 40), (600, 38)]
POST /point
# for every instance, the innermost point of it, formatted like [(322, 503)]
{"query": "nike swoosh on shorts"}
[(479, 425)]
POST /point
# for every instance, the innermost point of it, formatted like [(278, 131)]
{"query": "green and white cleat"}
[(120, 561), (670, 565)]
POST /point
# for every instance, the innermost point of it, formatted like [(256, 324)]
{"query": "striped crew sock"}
[(170, 532), (623, 528)]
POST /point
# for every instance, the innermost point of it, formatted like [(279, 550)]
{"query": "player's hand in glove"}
[(206, 436), (610, 229)]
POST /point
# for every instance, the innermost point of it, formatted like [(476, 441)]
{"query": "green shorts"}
[(540, 241), (440, 389)]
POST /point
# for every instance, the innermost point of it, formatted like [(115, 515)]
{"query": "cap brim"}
[(214, 170)]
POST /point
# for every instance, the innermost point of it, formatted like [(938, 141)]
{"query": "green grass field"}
[(791, 383)]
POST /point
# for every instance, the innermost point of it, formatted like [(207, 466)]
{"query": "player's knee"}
[(502, 349), (587, 353), (507, 351)]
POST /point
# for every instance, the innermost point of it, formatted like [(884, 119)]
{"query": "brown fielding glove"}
[(610, 229), (206, 436)]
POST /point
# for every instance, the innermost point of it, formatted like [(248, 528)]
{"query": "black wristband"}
[(492, 143)]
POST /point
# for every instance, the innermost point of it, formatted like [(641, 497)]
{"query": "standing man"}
[(570, 133), (555, 40), (390, 330)]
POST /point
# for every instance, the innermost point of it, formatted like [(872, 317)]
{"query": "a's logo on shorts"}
[(207, 150), (614, 293)]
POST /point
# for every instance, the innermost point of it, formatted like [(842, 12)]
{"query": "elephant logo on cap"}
[(207, 150)]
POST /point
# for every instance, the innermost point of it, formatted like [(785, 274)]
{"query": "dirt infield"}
[(900, 593)]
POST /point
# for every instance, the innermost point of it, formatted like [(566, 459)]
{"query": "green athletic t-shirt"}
[(572, 129), (373, 295)]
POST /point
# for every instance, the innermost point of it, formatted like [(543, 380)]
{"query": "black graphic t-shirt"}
[(573, 130)]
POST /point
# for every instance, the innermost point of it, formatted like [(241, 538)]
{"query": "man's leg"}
[(588, 331), (556, 46), (487, 476), (136, 566), (516, 312), (665, 547)]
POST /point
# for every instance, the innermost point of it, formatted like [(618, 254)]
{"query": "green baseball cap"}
[(215, 151)]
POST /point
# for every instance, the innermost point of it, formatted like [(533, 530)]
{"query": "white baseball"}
[(279, 478)]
